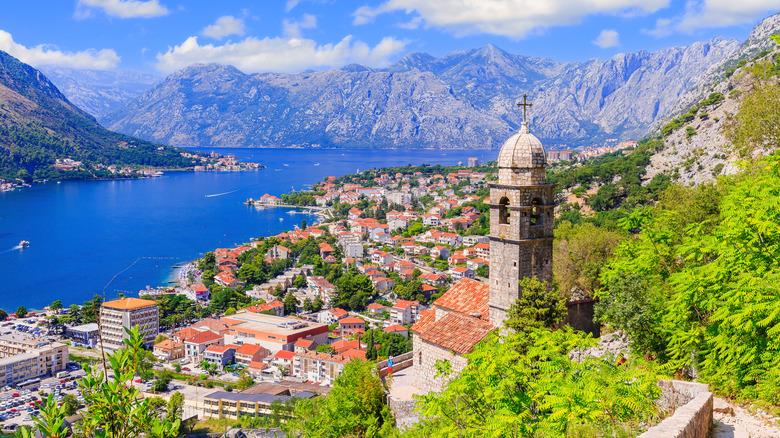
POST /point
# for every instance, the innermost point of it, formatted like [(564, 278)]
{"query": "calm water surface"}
[(121, 236)]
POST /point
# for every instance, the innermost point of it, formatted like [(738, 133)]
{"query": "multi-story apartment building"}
[(116, 316), (42, 360)]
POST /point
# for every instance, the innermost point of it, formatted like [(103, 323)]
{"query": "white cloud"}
[(122, 8), (225, 26), (290, 4), (607, 38), (288, 55), (292, 29), (512, 18), (105, 59), (713, 13)]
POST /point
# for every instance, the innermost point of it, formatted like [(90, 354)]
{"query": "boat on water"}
[(24, 244), (316, 164)]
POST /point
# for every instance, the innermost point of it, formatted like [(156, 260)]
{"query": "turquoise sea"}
[(105, 237)]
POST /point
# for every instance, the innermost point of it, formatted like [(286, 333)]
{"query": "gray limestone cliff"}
[(462, 100)]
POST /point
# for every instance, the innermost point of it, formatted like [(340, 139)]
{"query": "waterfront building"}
[(126, 313)]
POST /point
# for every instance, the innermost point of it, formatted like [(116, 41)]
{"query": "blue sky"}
[(162, 36)]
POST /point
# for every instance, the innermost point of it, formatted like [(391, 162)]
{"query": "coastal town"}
[(398, 240), (68, 168), (282, 315)]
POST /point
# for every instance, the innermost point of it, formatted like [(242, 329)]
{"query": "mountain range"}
[(462, 100)]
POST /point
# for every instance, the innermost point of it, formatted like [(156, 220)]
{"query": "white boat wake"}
[(220, 194)]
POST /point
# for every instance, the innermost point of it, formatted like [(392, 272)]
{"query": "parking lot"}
[(20, 405)]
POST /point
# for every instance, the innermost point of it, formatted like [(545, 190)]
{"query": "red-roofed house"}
[(248, 353), (302, 345), (376, 308), (196, 345), (284, 358), (332, 316), (226, 279), (279, 252), (403, 312), (401, 330), (351, 323)]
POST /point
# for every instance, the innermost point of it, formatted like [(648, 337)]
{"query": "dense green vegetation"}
[(38, 126)]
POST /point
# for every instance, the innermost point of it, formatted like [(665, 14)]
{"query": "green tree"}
[(245, 380), (70, 403), (539, 391), (756, 124), (356, 406), (325, 348), (3, 315), (580, 252), (177, 367), (290, 304), (56, 305), (537, 307), (174, 407), (21, 312)]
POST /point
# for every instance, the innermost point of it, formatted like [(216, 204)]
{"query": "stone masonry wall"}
[(693, 417), (425, 356)]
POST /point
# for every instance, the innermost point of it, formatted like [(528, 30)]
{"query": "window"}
[(536, 216), (503, 211)]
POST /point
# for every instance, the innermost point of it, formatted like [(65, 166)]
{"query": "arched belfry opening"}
[(503, 210), (537, 217)]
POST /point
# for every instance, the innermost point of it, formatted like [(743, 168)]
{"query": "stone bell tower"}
[(521, 220)]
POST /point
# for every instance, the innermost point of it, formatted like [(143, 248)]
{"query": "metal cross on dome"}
[(525, 105)]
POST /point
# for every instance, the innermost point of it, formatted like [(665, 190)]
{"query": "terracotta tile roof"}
[(203, 337), (424, 319), (376, 306), (339, 313), (351, 320), (255, 364), (354, 354), (218, 348), (344, 345), (284, 354), (167, 344), (456, 332), (187, 332), (396, 328), (129, 303), (304, 343), (467, 296), (212, 324), (249, 349)]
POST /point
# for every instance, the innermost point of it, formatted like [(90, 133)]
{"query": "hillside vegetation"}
[(38, 126)]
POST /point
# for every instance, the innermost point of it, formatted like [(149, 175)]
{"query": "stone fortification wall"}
[(692, 404), (400, 362)]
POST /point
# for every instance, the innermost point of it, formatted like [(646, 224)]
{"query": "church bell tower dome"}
[(522, 159)]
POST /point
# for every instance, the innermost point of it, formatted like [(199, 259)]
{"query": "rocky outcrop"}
[(462, 100)]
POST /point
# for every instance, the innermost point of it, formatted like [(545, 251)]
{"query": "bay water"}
[(109, 237)]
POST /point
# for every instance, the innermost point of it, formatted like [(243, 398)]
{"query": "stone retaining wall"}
[(692, 405), (403, 411)]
